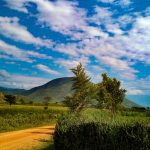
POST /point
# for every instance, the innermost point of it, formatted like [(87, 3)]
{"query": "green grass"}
[(19, 117), (96, 115)]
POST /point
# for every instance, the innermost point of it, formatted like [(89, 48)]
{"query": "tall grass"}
[(20, 117)]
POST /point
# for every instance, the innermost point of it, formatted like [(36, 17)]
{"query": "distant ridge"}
[(57, 89), (11, 90)]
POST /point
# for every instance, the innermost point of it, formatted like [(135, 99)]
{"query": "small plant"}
[(45, 107)]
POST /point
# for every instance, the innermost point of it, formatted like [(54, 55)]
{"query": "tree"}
[(47, 100), (110, 92), (22, 101), (81, 87), (11, 99)]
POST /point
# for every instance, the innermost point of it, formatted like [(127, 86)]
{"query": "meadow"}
[(19, 117)]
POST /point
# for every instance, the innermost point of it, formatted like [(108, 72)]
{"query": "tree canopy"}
[(110, 92), (10, 99)]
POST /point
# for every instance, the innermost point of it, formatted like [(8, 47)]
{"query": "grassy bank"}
[(21, 116)]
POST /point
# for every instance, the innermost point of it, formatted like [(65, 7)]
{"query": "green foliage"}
[(90, 132), (110, 93), (10, 99), (81, 86), (20, 117)]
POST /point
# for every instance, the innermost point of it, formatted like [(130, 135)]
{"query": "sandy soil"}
[(25, 139)]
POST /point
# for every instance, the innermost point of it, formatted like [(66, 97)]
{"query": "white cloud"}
[(138, 86), (67, 49), (20, 81), (125, 2), (72, 62), (17, 5), (12, 52), (46, 69), (60, 16), (4, 73), (134, 92), (118, 2), (11, 28)]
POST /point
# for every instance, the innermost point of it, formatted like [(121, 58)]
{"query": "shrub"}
[(77, 133)]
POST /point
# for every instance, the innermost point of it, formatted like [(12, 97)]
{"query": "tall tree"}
[(81, 87), (10, 99), (110, 92)]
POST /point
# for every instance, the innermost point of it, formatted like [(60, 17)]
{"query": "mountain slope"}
[(128, 103), (57, 89)]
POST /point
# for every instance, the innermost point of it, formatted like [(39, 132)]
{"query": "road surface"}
[(25, 139)]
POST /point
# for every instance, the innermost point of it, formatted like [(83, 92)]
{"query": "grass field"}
[(19, 117)]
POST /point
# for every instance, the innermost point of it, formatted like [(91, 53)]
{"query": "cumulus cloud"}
[(10, 27), (72, 62), (138, 86), (46, 69), (134, 92), (20, 81), (117, 2), (14, 53), (19, 5)]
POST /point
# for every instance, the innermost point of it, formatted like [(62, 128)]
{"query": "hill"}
[(128, 103), (57, 89)]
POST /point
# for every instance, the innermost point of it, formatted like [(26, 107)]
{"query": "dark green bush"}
[(83, 135)]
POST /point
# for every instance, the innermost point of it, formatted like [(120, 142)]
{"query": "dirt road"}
[(25, 139)]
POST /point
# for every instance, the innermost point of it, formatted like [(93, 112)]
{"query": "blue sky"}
[(40, 40)]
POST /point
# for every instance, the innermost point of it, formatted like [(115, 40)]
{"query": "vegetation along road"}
[(25, 139)]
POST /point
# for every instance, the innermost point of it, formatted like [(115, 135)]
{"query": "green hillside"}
[(57, 89)]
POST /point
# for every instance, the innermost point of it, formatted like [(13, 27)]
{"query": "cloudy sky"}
[(41, 39)]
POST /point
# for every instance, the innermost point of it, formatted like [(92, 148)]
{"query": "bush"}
[(80, 134)]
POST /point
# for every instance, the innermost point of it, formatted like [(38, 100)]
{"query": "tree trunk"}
[(113, 109)]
